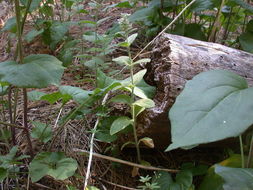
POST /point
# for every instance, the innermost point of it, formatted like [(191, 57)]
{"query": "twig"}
[(91, 147), (57, 119), (11, 125), (117, 185), (166, 28), (126, 162)]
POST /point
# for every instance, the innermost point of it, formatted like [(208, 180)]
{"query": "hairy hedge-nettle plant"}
[(137, 106)]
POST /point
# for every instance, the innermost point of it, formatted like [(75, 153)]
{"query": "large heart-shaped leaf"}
[(54, 164), (213, 106), (38, 71), (236, 178)]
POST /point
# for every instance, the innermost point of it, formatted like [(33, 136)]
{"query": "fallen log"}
[(176, 59)]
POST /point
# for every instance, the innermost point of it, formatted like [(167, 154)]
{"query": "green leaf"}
[(212, 181), (121, 98), (3, 174), (235, 178), (57, 32), (137, 110), (54, 164), (38, 71), (35, 95), (79, 95), (213, 106), (103, 80), (246, 41), (34, 4), (125, 60), (120, 124), (142, 61), (54, 97), (32, 34), (194, 31), (145, 103), (10, 25), (41, 131), (131, 38), (183, 181)]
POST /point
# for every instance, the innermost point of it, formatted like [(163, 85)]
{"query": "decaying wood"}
[(176, 59)]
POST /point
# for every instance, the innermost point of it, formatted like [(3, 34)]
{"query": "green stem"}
[(250, 157), (132, 106), (242, 152)]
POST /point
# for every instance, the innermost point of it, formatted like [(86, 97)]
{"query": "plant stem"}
[(250, 156), (132, 106), (13, 130), (25, 123), (242, 152)]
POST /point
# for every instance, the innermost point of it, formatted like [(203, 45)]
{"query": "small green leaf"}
[(103, 80), (35, 95), (126, 144), (125, 60), (137, 110), (10, 25), (142, 61), (246, 41), (41, 131), (145, 103), (54, 164), (122, 98), (236, 178), (120, 124), (78, 94), (32, 34), (131, 38), (38, 71)]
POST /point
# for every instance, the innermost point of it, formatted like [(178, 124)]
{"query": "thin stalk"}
[(25, 123), (250, 156), (216, 23), (242, 152), (226, 32), (21, 61), (13, 130), (132, 106)]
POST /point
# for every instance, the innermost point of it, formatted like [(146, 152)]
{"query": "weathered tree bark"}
[(176, 59)]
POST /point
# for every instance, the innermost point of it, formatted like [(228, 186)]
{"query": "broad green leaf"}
[(35, 95), (125, 60), (142, 61), (243, 4), (137, 78), (55, 164), (121, 98), (194, 31), (32, 34), (131, 38), (34, 4), (57, 32), (38, 71), (145, 103), (120, 124), (41, 131), (235, 178), (213, 181), (213, 106), (183, 181), (10, 25), (246, 41), (202, 5), (78, 94)]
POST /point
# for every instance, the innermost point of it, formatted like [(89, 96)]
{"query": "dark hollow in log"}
[(176, 59)]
